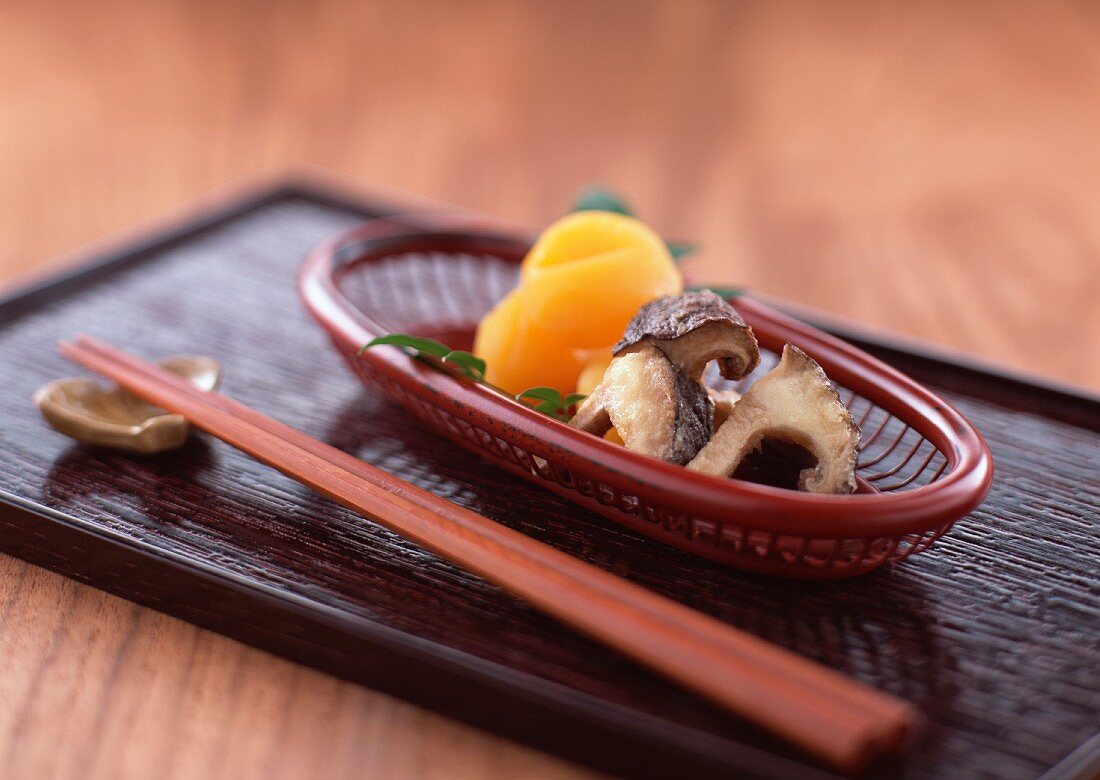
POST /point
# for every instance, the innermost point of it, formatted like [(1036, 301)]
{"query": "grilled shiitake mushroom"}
[(655, 408), (724, 401), (653, 395), (693, 329), (793, 403)]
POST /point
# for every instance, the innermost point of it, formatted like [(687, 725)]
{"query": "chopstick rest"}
[(114, 417)]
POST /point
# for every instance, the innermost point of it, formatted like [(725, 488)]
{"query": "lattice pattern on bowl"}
[(922, 465)]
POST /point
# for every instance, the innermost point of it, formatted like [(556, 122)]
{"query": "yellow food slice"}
[(583, 235), (519, 355), (592, 373), (589, 273)]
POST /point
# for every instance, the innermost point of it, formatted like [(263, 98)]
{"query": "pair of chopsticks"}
[(837, 719)]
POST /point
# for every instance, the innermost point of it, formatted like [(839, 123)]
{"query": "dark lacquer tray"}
[(992, 632)]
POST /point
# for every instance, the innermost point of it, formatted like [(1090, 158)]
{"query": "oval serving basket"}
[(922, 464)]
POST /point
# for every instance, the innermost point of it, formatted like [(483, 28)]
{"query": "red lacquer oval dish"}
[(922, 465)]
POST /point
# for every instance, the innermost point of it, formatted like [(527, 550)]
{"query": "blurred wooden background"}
[(928, 167)]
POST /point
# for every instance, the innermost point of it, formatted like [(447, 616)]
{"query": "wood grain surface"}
[(927, 167)]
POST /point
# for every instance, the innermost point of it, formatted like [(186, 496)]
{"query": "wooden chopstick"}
[(839, 720), (759, 652)]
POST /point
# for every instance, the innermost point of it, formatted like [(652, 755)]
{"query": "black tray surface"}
[(992, 633)]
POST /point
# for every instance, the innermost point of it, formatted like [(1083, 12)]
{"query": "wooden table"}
[(931, 168)]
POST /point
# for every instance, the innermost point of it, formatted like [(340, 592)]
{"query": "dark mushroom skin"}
[(693, 329), (794, 402), (656, 409)]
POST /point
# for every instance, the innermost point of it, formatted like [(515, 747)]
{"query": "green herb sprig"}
[(550, 401), (597, 198), (468, 364), (547, 400), (726, 293)]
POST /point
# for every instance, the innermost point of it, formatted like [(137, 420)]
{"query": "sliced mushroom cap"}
[(795, 403), (653, 406), (693, 329)]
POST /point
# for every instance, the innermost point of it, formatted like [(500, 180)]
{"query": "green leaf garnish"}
[(596, 198), (551, 401), (468, 365), (418, 344), (471, 365), (722, 292), (540, 394), (681, 249)]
